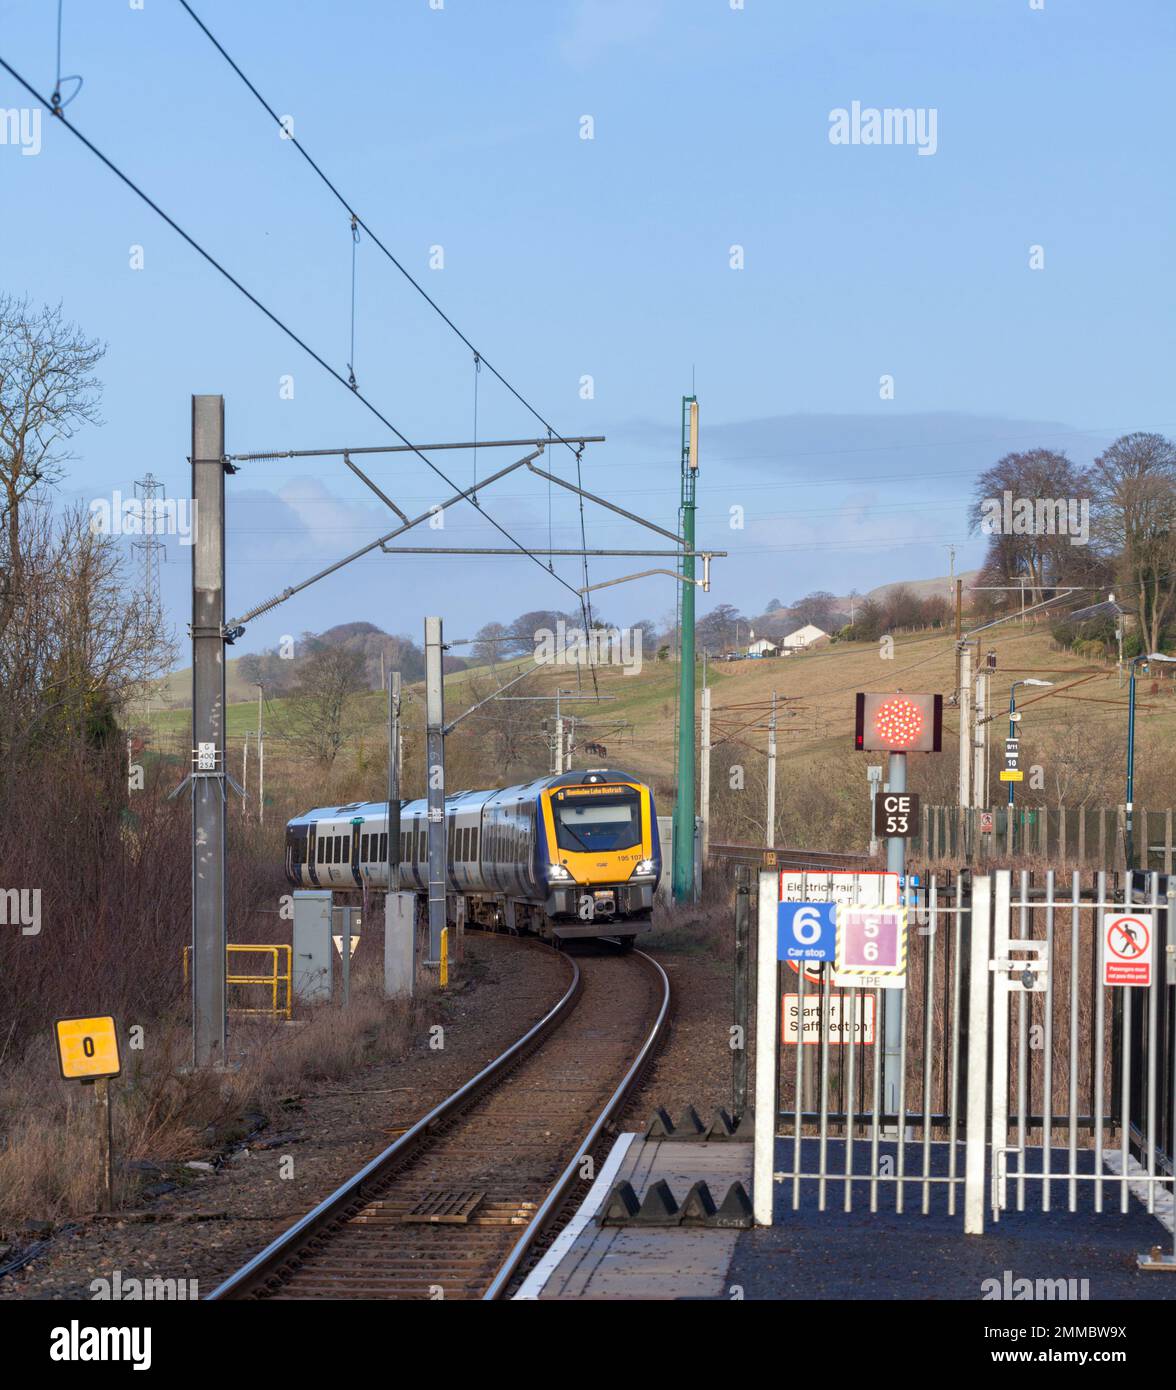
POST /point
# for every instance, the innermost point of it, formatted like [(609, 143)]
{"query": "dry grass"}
[(167, 1114)]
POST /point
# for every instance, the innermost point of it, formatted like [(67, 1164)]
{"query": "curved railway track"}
[(454, 1208)]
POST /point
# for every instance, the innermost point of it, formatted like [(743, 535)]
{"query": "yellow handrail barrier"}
[(274, 979), (444, 957)]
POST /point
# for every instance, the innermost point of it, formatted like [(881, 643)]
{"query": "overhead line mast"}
[(682, 845)]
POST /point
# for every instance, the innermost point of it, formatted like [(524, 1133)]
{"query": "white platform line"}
[(1163, 1213), (536, 1281)]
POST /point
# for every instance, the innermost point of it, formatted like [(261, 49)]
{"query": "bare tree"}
[(1036, 482), (1135, 519), (315, 717), (47, 392), (492, 641), (71, 654)]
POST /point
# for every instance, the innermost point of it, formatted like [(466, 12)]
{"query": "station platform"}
[(810, 1254), (591, 1261)]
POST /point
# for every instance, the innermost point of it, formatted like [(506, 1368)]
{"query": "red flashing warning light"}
[(899, 723)]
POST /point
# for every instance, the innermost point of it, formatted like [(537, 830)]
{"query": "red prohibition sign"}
[(1129, 947), (812, 969)]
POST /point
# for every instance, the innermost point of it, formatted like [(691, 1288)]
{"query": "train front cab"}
[(603, 859)]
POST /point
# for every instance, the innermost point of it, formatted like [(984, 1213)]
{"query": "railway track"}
[(455, 1206)]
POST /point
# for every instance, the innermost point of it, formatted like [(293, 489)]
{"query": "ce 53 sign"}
[(896, 814)]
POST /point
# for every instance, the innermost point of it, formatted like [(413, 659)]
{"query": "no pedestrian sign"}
[(1129, 949)]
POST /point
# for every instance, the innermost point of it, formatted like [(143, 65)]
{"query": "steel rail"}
[(556, 1197), (344, 1200)]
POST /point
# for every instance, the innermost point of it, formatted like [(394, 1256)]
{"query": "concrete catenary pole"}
[(980, 743), (770, 820), (209, 862), (435, 765), (966, 736), (393, 782), (400, 935)]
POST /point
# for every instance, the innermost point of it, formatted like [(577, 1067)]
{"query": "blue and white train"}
[(571, 856)]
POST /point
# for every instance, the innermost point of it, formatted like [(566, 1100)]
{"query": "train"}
[(568, 857)]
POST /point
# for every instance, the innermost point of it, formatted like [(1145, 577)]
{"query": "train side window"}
[(341, 855), (474, 844), (319, 848), (328, 849), (383, 838), (363, 848)]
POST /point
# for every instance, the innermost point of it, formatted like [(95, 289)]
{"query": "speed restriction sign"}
[(1129, 948)]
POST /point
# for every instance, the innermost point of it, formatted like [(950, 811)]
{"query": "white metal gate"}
[(962, 1095)]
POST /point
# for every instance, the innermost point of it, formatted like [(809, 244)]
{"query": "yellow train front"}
[(571, 856), (599, 855)]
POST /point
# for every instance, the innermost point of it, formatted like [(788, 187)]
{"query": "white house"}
[(762, 647), (803, 637)]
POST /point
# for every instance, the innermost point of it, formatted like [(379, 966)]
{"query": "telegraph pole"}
[(704, 770), (770, 827), (966, 734), (260, 764), (683, 836), (209, 861), (435, 764)]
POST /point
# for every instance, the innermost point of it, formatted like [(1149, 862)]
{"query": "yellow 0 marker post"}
[(87, 1048)]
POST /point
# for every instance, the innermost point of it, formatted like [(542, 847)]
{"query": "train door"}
[(311, 855)]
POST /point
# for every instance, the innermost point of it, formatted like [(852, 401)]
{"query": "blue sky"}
[(607, 257)]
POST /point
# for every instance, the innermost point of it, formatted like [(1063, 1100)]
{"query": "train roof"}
[(467, 800)]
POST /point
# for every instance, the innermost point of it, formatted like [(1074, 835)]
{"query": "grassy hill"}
[(636, 718)]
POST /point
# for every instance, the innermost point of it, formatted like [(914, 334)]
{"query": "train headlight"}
[(557, 873), (644, 869)]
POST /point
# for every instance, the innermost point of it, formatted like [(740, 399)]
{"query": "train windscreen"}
[(609, 822)]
